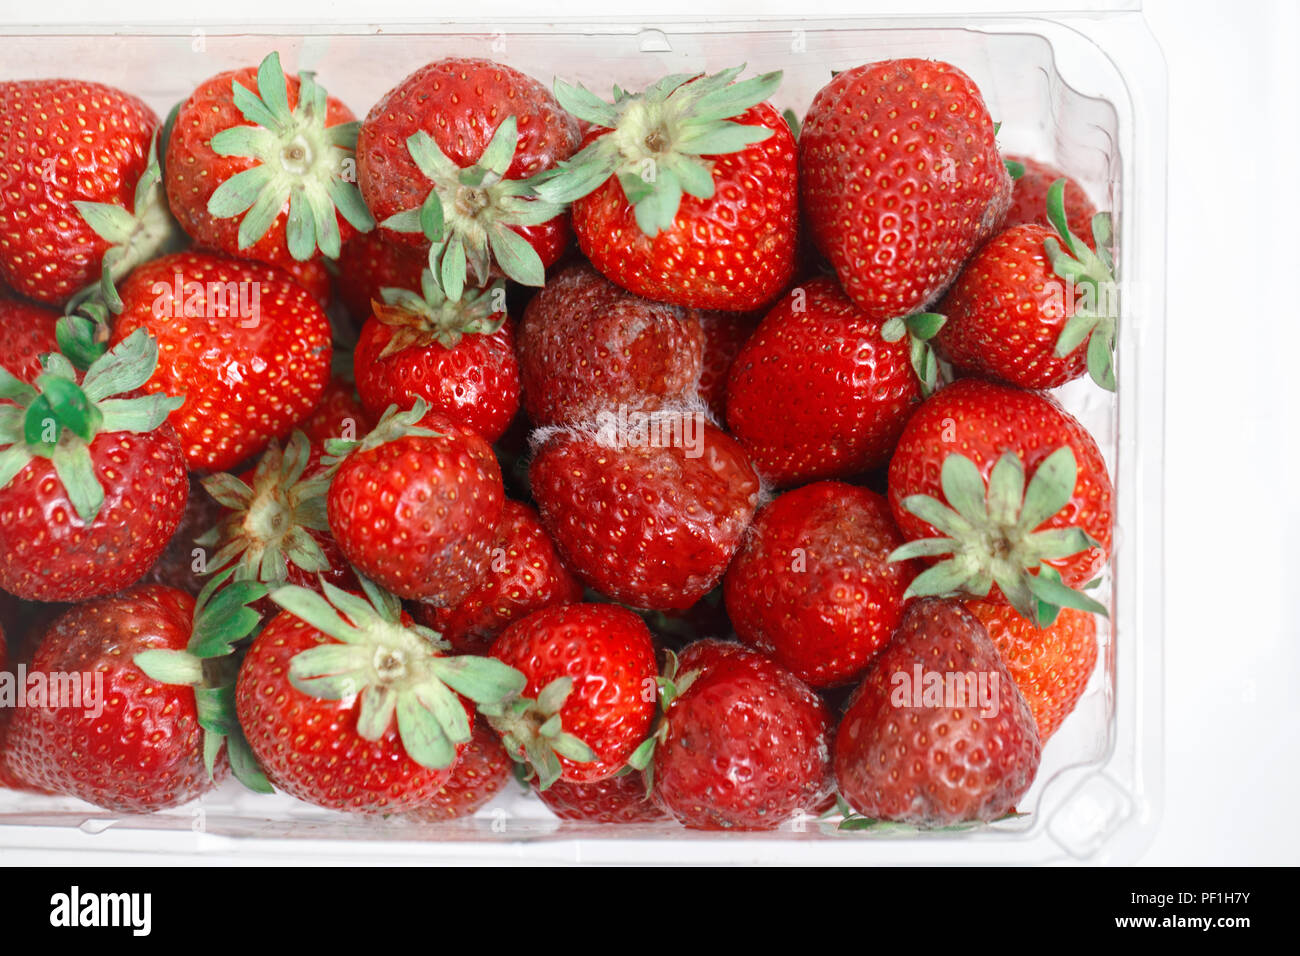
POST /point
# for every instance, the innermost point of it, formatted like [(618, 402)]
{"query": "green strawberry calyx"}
[(57, 418), (470, 215), (394, 424), (992, 537), (395, 670), (659, 141), (670, 685), (920, 328), (532, 731), (299, 161), (420, 319), (209, 664), (269, 524), (136, 235), (1096, 317)]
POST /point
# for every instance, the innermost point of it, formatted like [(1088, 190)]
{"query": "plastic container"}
[(1084, 91)]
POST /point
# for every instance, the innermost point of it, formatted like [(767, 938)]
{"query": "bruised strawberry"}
[(725, 334), (369, 264)]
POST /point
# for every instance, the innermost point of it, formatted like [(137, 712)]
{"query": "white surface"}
[(1231, 649)]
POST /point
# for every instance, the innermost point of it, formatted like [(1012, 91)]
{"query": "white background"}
[(1232, 645)]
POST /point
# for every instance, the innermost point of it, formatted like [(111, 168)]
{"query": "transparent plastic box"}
[(1084, 91)]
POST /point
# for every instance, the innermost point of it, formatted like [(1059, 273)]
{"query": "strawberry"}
[(1023, 308), (313, 276), (183, 564), (79, 187), (621, 798), (261, 165), (973, 445), (525, 575), (590, 696), (349, 705), (339, 414), (479, 774), (369, 264), (586, 346), (937, 734), (26, 333), (459, 356), (92, 481), (725, 334), (148, 728), (1029, 197), (246, 345), (900, 180), (1051, 666), (649, 515), (415, 506), (816, 391), (812, 586), (686, 193), (744, 743), (445, 161)]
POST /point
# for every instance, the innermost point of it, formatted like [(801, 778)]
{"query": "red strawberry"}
[(586, 346), (1051, 666), (817, 392), (183, 564), (445, 158), (369, 264), (1029, 198), (621, 798), (92, 482), (525, 575), (590, 696), (416, 507), (26, 333), (937, 734), (686, 193), (260, 165), (457, 356), (744, 743), (339, 414), (133, 740), (725, 334), (1023, 309), (813, 588), (1026, 489), (480, 773), (649, 515), (77, 195), (313, 276), (900, 180), (246, 345), (358, 710)]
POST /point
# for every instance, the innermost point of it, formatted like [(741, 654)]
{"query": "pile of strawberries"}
[(690, 461)]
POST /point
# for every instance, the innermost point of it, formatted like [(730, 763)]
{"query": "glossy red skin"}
[(735, 251), (816, 392), (747, 743), (982, 420), (1051, 666), (812, 586), (621, 798), (900, 180), (418, 515), (193, 172), (312, 276), (243, 384), (1029, 199), (310, 748), (368, 265), (586, 345), (725, 334), (48, 553), (145, 751), (480, 773), (1006, 311), (339, 415), (524, 575), (475, 383), (26, 333), (460, 102), (98, 138), (608, 652), (935, 766), (652, 528)]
